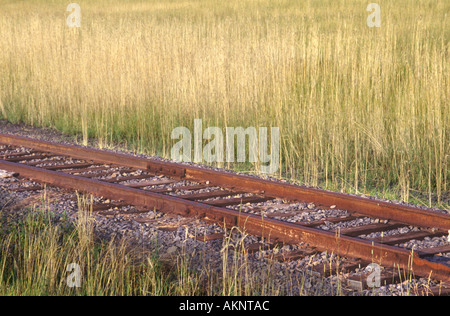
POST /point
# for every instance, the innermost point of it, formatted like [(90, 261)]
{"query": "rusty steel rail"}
[(384, 210), (256, 225)]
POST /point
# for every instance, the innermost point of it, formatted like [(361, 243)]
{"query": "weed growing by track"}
[(38, 246), (37, 249)]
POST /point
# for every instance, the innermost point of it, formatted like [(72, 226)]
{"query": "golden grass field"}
[(359, 108)]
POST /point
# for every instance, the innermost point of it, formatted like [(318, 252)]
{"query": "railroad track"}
[(228, 199)]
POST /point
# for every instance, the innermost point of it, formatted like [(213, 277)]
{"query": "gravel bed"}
[(401, 230), (292, 278), (427, 242), (171, 235)]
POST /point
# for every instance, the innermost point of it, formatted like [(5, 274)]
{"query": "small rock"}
[(403, 230), (5, 174)]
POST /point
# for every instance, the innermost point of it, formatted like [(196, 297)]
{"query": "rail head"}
[(253, 224), (370, 207)]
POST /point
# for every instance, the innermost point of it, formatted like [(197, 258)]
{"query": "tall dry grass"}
[(358, 107), (37, 254), (38, 250)]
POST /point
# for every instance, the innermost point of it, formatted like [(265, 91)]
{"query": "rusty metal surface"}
[(370, 207), (273, 229), (96, 155)]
